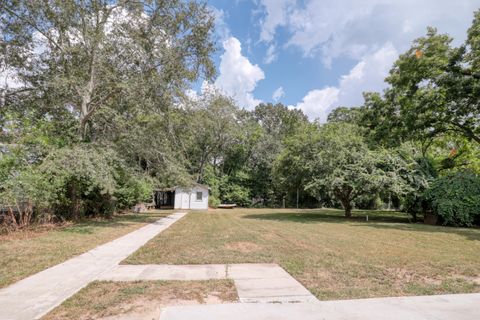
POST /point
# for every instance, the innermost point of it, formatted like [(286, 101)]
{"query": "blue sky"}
[(319, 54)]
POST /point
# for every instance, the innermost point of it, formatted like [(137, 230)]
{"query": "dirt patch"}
[(242, 246), (474, 280), (402, 276), (140, 300), (270, 236), (146, 309)]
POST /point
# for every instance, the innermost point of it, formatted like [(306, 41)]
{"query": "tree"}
[(343, 165), (78, 57), (345, 114), (278, 123), (434, 90), (214, 129), (290, 169)]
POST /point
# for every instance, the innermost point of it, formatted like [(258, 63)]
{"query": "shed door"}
[(185, 200)]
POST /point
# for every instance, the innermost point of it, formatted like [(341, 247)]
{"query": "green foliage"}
[(213, 201), (82, 179), (28, 185), (456, 198), (94, 55), (290, 169), (100, 122), (237, 194), (344, 114), (434, 90), (9, 162), (343, 166), (132, 189)]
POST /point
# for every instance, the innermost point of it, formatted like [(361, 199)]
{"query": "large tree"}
[(76, 57), (290, 169), (213, 130), (343, 166), (277, 123), (434, 90)]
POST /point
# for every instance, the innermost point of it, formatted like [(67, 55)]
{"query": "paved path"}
[(446, 307), (33, 297), (254, 282)]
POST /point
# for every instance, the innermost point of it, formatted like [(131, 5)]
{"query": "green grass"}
[(32, 250), (138, 299), (334, 257)]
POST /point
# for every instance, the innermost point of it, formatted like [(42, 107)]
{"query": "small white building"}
[(192, 198)]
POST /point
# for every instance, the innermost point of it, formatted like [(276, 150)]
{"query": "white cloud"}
[(317, 103), (221, 28), (278, 94), (351, 28), (366, 75), (271, 55), (370, 32), (238, 76), (275, 15)]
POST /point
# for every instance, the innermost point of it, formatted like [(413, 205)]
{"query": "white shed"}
[(194, 198)]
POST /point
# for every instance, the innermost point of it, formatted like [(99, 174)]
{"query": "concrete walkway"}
[(33, 297), (254, 282), (445, 307)]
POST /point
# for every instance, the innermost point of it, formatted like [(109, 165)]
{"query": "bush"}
[(456, 198), (132, 189), (24, 198), (82, 179), (213, 201), (234, 193)]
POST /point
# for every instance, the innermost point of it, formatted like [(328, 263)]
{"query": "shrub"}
[(456, 198), (213, 201), (132, 189), (234, 193), (24, 198), (82, 179)]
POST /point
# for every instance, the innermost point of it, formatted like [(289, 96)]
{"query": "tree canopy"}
[(100, 116)]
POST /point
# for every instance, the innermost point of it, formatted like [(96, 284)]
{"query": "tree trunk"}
[(414, 216), (298, 196), (347, 206), (12, 225), (203, 161), (86, 95), (345, 197), (348, 211), (74, 202)]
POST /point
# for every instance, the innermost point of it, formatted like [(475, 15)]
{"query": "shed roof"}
[(179, 187)]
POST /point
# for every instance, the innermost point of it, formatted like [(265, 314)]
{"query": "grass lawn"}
[(140, 300), (29, 251), (333, 257)]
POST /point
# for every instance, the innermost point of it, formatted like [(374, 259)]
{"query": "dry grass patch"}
[(34, 249), (140, 300), (242, 246), (333, 257)]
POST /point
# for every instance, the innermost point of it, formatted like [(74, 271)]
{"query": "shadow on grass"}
[(332, 216), (376, 219), (469, 233)]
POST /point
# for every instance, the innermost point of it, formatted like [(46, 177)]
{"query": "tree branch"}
[(33, 25)]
